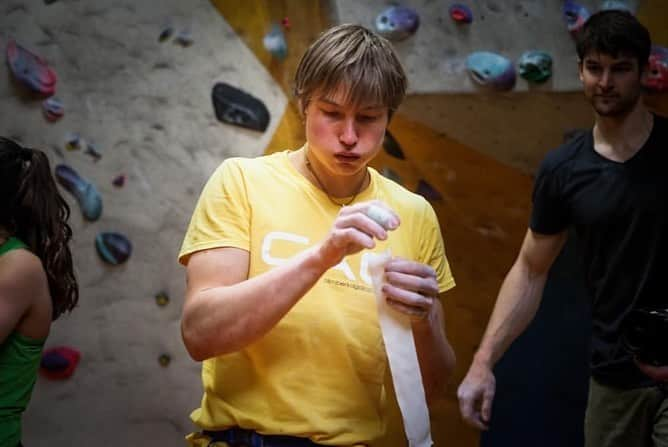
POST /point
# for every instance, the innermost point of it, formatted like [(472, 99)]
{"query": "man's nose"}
[(605, 81), (348, 135)]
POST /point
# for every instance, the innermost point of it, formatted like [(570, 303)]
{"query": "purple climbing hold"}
[(53, 109), (575, 15), (113, 248), (491, 70), (461, 13), (84, 191), (397, 23), (119, 181), (30, 69)]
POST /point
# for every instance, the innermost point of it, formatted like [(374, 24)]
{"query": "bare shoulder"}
[(22, 272), (25, 303)]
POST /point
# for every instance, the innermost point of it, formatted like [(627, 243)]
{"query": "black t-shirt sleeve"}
[(549, 214)]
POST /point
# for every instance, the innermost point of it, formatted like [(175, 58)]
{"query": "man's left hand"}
[(657, 373), (410, 287)]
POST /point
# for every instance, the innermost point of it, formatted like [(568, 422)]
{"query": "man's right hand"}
[(476, 394)]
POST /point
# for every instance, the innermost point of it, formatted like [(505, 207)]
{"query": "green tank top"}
[(19, 361)]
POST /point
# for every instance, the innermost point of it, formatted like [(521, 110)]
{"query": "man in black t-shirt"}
[(610, 184)]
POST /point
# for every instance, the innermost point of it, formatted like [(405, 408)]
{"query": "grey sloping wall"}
[(146, 105)]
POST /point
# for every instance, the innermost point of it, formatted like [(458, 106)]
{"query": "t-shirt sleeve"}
[(432, 249), (549, 213), (221, 217)]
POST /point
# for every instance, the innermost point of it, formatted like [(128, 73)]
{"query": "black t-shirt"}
[(620, 214)]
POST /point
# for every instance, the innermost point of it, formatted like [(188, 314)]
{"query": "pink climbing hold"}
[(59, 363), (30, 69)]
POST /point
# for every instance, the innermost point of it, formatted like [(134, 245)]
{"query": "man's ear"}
[(301, 105)]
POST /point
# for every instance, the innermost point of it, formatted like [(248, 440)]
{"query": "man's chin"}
[(612, 111)]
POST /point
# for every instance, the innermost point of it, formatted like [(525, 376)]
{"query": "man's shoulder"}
[(564, 155), (250, 165)]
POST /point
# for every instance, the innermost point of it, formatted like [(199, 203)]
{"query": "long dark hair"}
[(36, 213)]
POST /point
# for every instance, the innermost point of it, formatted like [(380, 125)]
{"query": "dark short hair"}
[(615, 33)]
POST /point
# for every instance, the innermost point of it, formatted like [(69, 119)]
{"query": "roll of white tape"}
[(403, 360)]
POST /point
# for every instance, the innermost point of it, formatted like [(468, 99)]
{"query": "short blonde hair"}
[(354, 57)]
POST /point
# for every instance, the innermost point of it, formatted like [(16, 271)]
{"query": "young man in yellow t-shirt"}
[(280, 306)]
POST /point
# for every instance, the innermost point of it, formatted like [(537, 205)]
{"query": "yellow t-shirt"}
[(319, 372)]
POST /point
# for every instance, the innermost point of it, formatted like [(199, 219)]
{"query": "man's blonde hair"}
[(352, 57)]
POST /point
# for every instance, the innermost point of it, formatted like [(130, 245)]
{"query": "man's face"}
[(344, 137), (611, 84)]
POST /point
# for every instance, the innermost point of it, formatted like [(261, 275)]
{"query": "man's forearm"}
[(516, 305), (436, 356), (227, 318)]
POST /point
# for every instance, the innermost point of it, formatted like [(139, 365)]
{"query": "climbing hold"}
[(31, 70), (72, 141), (235, 106), (274, 42), (428, 192), (397, 22), (164, 360), (461, 13), (93, 151), (184, 38), (656, 76), (59, 362), (53, 109), (392, 175), (166, 33), (162, 299), (391, 146), (119, 180), (535, 66), (113, 248), (575, 15), (491, 70), (620, 5), (84, 191)]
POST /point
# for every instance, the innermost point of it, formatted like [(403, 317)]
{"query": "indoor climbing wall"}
[(135, 82)]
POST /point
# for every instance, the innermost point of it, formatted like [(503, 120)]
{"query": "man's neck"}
[(619, 138)]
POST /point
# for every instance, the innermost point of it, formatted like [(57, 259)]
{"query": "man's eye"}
[(367, 118), (331, 113)]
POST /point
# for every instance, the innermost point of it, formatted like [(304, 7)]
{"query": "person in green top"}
[(37, 282)]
